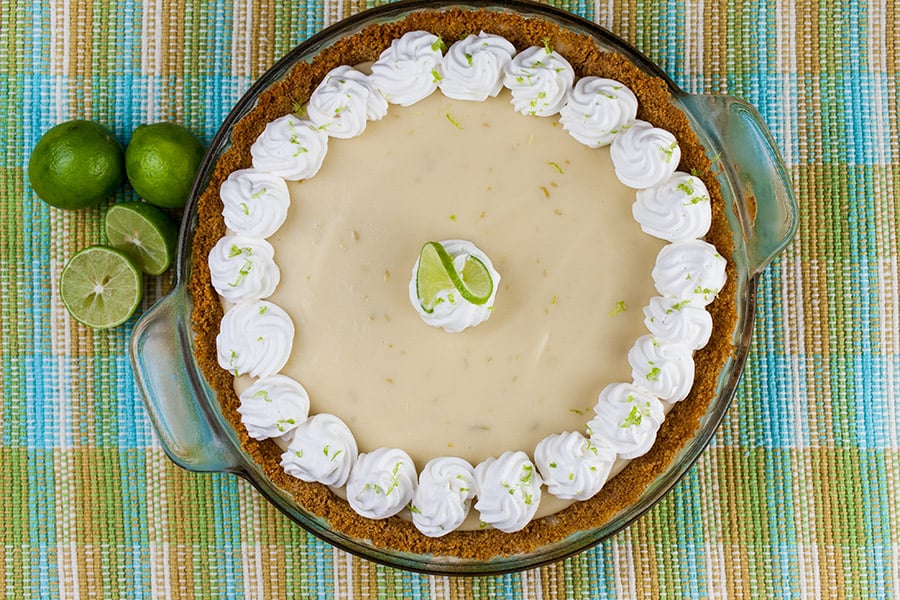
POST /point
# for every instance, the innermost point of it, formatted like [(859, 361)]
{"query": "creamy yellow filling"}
[(557, 225)]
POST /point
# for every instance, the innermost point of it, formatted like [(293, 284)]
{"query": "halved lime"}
[(437, 274), (145, 233), (100, 287)]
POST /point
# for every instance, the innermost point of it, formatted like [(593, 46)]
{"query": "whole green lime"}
[(161, 162), (76, 164)]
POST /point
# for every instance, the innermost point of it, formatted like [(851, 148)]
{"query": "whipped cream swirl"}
[(539, 79), (345, 102), (678, 321), (473, 67), (663, 368), (409, 70), (255, 204), (444, 495), (627, 419), (255, 338), (676, 210), (453, 313), (290, 148), (573, 467), (273, 406), (508, 490), (597, 110), (243, 268), (692, 270), (381, 483), (323, 449), (644, 155)]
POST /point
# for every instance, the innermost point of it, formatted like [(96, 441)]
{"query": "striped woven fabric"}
[(797, 496)]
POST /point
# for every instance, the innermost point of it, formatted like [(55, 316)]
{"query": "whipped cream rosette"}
[(692, 270), (597, 109), (574, 467), (678, 321), (382, 483), (243, 268), (539, 79), (345, 102), (256, 336), (444, 496), (322, 449), (273, 406), (290, 148), (644, 155), (627, 419), (473, 67), (254, 204), (676, 210), (508, 489), (410, 69)]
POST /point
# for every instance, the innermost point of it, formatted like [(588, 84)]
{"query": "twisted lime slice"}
[(437, 274)]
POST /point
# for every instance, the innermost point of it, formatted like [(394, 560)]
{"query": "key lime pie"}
[(458, 283)]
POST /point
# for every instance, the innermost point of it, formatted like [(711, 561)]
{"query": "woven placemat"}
[(796, 496)]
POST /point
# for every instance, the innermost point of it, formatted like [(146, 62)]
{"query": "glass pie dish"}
[(185, 410)]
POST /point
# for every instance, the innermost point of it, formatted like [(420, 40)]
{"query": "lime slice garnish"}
[(145, 233), (437, 274), (100, 287)]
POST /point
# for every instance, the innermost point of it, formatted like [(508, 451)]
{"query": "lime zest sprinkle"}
[(414, 509), (547, 48), (259, 194), (653, 374), (264, 394), (556, 166), (670, 150), (469, 59), (553, 465), (571, 476), (619, 308), (634, 418), (454, 121), (438, 44), (686, 188), (245, 208), (263, 309), (437, 76), (453, 217)]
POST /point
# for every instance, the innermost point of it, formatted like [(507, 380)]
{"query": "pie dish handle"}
[(162, 361), (744, 149)]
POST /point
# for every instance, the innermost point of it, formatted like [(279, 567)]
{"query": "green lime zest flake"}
[(571, 476), (529, 499), (553, 465), (527, 474), (556, 166), (453, 217), (414, 509), (634, 418), (686, 188), (264, 394), (245, 208), (259, 194), (298, 453), (454, 121), (653, 374), (263, 309), (619, 308), (280, 424), (439, 44), (670, 150), (437, 76), (469, 59), (547, 48), (395, 478)]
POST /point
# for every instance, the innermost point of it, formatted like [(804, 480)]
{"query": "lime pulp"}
[(100, 287), (147, 234)]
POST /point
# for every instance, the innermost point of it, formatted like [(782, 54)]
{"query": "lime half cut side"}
[(147, 234), (436, 274), (100, 287)]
